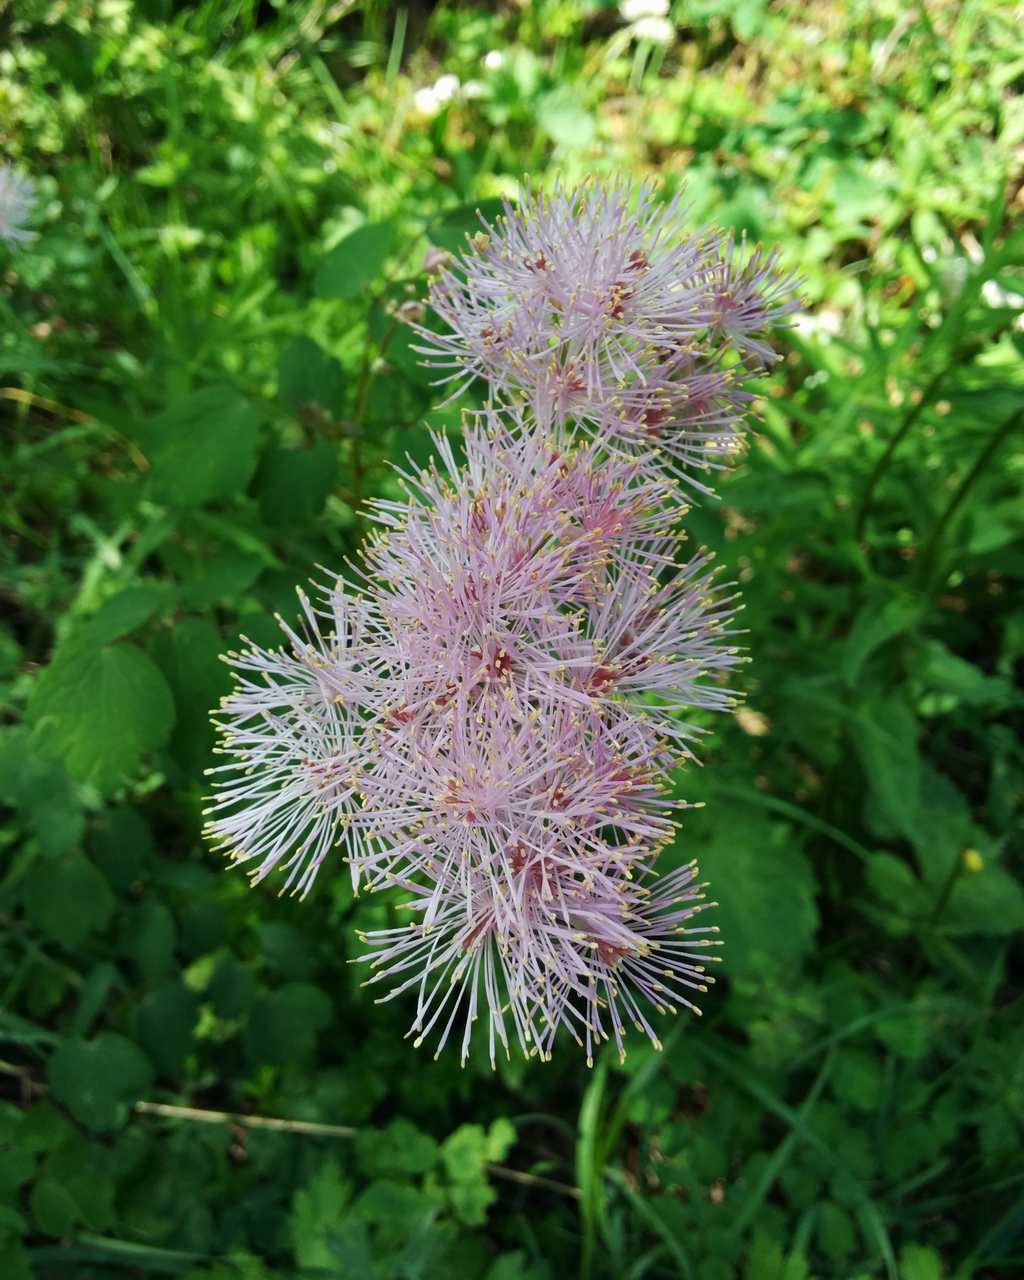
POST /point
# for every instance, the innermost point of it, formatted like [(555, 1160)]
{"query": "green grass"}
[(201, 381)]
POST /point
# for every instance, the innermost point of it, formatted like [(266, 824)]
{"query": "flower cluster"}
[(595, 310), (483, 722)]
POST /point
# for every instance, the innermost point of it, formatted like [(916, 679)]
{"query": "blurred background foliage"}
[(202, 377)]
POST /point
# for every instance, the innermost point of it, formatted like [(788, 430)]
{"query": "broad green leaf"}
[(149, 938), (219, 577), (759, 875), (292, 485), (53, 1208), (98, 1080), (562, 116), (164, 1023), (100, 710), (122, 845), (355, 262), (203, 449), (67, 899), (122, 614), (308, 377), (284, 1025)]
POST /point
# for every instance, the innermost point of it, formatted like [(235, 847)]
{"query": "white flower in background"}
[(656, 30), (428, 102), (633, 10), (17, 200), (446, 87), (494, 60), (425, 101)]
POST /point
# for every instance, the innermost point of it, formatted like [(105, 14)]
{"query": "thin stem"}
[(931, 549), (882, 465), (308, 1128)]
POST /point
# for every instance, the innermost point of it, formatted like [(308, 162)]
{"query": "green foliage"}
[(203, 378)]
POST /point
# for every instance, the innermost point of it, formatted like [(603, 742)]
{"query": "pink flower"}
[(485, 725), (600, 307)]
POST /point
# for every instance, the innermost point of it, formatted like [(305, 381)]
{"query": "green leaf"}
[(164, 1023), (42, 793), (885, 736), (293, 484), (940, 670), (189, 655), (355, 262), (872, 627), (283, 1025), (565, 120), (918, 1262), (122, 845), (122, 614), (203, 449), (399, 1149), (220, 577), (68, 899), (100, 710), (53, 1208), (317, 1209), (307, 377), (765, 888), (451, 229), (98, 1080), (149, 938)]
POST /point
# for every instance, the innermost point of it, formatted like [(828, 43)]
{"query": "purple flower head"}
[(601, 308), (483, 728)]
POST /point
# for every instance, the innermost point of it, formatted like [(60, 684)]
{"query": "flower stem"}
[(931, 548), (901, 433)]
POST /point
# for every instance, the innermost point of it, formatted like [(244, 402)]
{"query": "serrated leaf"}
[(399, 1149), (98, 1080), (355, 262), (885, 737), (203, 449), (317, 1209), (100, 710)]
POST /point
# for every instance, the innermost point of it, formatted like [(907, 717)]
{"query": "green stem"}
[(882, 465), (931, 548)]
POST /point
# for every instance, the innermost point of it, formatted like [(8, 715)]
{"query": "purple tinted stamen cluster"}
[(485, 722), (601, 308)]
